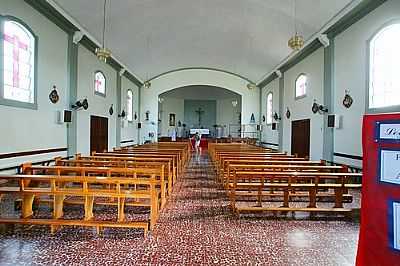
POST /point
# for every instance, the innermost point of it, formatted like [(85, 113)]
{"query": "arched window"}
[(301, 86), (19, 46), (100, 83), (269, 108), (129, 105), (384, 64)]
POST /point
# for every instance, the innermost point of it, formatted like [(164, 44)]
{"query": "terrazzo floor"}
[(195, 228)]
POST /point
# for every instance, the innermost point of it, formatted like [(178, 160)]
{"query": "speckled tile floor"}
[(195, 228)]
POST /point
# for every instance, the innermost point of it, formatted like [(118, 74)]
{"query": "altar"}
[(201, 131)]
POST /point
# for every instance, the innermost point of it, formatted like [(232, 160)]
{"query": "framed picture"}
[(171, 120), (396, 225), (389, 165)]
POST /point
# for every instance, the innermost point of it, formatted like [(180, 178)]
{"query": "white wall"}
[(227, 114), (171, 106), (129, 130), (313, 67), (351, 73), (88, 63), (269, 135), (149, 97), (26, 129)]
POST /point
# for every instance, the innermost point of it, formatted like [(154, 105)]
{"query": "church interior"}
[(253, 132)]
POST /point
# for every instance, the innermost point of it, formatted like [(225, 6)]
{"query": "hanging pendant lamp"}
[(297, 41), (102, 52)]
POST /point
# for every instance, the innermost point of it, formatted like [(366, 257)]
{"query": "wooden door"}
[(301, 138), (98, 133)]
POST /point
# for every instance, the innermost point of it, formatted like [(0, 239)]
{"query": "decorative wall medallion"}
[(347, 100), (53, 96), (147, 115), (263, 118), (288, 114), (135, 116), (111, 110), (315, 107)]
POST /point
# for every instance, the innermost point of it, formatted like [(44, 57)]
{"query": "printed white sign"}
[(389, 131), (390, 166), (396, 225)]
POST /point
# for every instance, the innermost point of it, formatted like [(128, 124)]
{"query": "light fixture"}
[(147, 84), (160, 100), (251, 86), (81, 104), (296, 42), (122, 115), (102, 52), (234, 103)]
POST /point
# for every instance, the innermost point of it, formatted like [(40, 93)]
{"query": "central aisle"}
[(195, 228)]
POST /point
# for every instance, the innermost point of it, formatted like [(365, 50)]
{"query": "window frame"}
[(368, 109), (105, 84), (272, 108), (295, 87), (127, 107), (10, 102)]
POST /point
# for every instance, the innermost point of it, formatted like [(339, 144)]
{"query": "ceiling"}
[(247, 37), (200, 93)]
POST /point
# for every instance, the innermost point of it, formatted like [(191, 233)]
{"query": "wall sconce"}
[(160, 100), (234, 103), (81, 104), (276, 117), (122, 115), (318, 108)]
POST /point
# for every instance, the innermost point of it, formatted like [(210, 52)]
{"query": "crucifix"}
[(199, 113)]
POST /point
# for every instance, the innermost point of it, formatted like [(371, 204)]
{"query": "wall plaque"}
[(389, 167)]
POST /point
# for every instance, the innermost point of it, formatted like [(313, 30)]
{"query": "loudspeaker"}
[(67, 116), (139, 125), (273, 126), (331, 121)]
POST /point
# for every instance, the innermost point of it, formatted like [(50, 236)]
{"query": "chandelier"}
[(102, 52), (251, 86), (147, 84), (296, 42)]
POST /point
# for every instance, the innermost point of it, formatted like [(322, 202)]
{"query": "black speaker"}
[(67, 116), (139, 125), (273, 126), (331, 121)]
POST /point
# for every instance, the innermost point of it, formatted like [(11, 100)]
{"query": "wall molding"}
[(348, 156), (30, 153)]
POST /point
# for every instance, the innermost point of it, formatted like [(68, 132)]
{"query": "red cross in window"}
[(17, 45), (98, 84)]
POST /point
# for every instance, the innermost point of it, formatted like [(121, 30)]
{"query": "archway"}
[(250, 99)]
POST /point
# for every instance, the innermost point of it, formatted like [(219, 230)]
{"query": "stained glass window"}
[(269, 108), (129, 105), (18, 62), (384, 78), (301, 86), (100, 83)]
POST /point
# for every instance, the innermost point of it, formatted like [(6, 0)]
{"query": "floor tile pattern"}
[(195, 228)]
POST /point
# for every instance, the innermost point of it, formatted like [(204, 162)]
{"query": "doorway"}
[(301, 138), (98, 134)]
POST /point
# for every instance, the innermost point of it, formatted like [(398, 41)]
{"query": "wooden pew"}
[(27, 168), (88, 187), (286, 182)]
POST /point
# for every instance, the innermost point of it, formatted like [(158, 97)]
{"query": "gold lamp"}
[(102, 52), (297, 41)]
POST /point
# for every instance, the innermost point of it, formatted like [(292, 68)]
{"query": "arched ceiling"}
[(247, 37), (198, 92)]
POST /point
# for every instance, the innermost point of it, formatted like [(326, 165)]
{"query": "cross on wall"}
[(199, 112), (17, 46)]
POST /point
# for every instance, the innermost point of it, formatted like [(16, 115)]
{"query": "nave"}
[(196, 227)]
